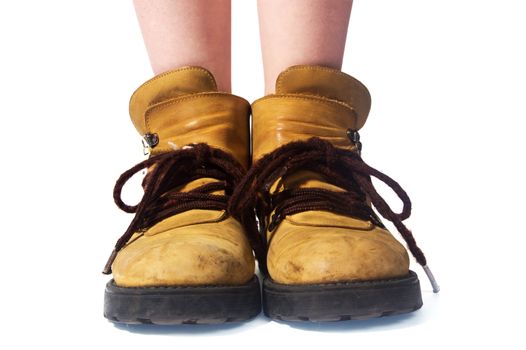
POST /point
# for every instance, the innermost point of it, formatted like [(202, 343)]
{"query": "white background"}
[(448, 85)]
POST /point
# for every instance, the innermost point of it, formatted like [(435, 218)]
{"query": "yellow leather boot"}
[(325, 254), (184, 259)]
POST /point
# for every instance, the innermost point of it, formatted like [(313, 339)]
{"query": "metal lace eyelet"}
[(149, 141), (354, 137)]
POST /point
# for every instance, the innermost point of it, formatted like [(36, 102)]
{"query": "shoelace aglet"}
[(107, 268), (434, 284)]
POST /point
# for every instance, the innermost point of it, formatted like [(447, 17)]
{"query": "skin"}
[(188, 33), (301, 32), (179, 33)]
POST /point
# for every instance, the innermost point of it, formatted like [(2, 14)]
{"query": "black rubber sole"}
[(341, 301), (182, 305)]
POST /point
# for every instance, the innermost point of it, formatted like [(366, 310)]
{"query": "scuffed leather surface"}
[(166, 86), (304, 80), (323, 247), (195, 247), (205, 253), (280, 119), (320, 246), (219, 119), (183, 107)]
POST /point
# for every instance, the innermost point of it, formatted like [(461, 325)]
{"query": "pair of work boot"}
[(293, 194)]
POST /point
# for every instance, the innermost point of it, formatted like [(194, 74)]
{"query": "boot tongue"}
[(328, 83), (184, 107), (176, 83)]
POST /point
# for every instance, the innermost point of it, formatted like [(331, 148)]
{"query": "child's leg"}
[(302, 32), (187, 32), (184, 259)]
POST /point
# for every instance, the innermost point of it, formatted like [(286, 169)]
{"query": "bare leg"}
[(301, 32), (188, 32)]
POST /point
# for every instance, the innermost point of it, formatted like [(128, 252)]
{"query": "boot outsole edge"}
[(173, 305), (341, 301)]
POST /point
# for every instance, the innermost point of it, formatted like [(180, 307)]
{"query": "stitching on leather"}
[(299, 223), (308, 68), (235, 286), (165, 74), (162, 75), (220, 216), (176, 100), (323, 100), (349, 283), (317, 68)]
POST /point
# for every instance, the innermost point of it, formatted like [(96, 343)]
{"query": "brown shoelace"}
[(166, 172), (252, 202)]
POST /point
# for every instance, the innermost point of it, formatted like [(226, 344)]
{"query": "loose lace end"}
[(434, 284), (165, 173), (107, 268)]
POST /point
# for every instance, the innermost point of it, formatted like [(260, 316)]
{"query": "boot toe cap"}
[(330, 255), (191, 257)]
